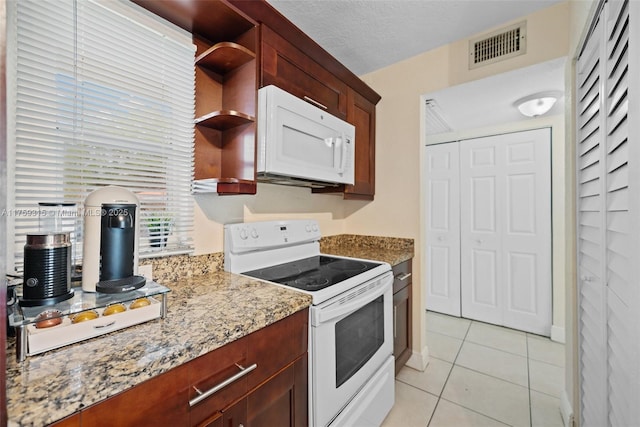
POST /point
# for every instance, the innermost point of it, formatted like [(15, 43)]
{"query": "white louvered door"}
[(608, 214), (590, 239)]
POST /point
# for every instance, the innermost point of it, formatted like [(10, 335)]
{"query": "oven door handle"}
[(339, 309)]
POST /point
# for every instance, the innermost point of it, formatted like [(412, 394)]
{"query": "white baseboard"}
[(419, 360), (566, 410), (557, 334)]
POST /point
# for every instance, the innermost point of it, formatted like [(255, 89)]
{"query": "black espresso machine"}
[(110, 245)]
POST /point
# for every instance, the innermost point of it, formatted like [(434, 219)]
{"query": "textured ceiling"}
[(366, 35)]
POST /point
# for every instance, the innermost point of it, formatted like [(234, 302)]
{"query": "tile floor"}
[(481, 375)]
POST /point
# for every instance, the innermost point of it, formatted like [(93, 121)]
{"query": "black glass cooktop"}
[(313, 274)]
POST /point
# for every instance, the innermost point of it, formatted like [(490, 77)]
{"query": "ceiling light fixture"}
[(537, 104)]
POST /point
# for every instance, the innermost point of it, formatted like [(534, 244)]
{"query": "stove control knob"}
[(243, 234), (314, 227), (254, 233), (308, 228)]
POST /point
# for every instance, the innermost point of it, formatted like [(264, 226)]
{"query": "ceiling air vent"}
[(497, 46)]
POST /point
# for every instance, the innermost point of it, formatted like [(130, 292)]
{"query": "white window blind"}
[(104, 95)]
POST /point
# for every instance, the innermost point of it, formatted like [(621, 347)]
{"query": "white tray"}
[(41, 340)]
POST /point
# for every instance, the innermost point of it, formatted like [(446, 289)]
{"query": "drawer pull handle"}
[(203, 395), (316, 103), (403, 277)]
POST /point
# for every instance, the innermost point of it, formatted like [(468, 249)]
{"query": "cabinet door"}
[(235, 415), (402, 306), (162, 400), (362, 114), (287, 67), (277, 402), (402, 327)]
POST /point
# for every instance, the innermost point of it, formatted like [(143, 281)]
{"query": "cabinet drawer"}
[(287, 67), (211, 370), (140, 405), (277, 345), (401, 275)]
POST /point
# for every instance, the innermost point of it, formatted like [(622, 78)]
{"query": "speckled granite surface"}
[(170, 269), (207, 308), (204, 313), (388, 249)]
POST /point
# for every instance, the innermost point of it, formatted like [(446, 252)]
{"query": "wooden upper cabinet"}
[(287, 67), (362, 114), (242, 46)]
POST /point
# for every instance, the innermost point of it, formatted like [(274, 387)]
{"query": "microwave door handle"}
[(336, 154), (345, 152)]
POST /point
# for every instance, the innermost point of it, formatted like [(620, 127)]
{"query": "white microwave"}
[(301, 144)]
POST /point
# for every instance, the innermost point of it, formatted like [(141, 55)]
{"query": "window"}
[(101, 93)]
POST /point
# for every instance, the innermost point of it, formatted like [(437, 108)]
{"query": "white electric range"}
[(351, 365)]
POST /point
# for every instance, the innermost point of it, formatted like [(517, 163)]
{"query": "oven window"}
[(358, 337)]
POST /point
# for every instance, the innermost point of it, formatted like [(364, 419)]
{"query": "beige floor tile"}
[(545, 410), (504, 339), (545, 350), (492, 397), (546, 378), (412, 408), (431, 380), (448, 414), (447, 325), (497, 363), (443, 346)]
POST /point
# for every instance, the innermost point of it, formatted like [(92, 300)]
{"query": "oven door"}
[(351, 338)]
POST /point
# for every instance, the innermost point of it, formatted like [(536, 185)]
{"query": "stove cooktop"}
[(313, 273)]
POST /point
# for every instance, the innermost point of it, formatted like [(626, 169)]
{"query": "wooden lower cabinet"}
[(282, 401), (402, 312), (70, 421), (274, 393), (162, 400)]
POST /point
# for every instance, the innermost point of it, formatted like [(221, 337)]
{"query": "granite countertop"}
[(204, 313), (391, 250)]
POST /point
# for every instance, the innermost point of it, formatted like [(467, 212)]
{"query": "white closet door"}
[(621, 284), (443, 229), (608, 238), (590, 237), (505, 187)]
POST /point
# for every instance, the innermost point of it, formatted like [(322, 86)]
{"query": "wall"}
[(271, 202), (397, 209)]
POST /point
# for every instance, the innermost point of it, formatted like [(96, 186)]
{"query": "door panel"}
[(505, 229), (484, 280), (443, 229)]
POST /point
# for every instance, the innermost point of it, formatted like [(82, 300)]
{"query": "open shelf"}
[(224, 57), (224, 186), (224, 119)]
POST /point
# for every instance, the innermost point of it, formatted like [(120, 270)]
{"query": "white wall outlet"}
[(146, 271)]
